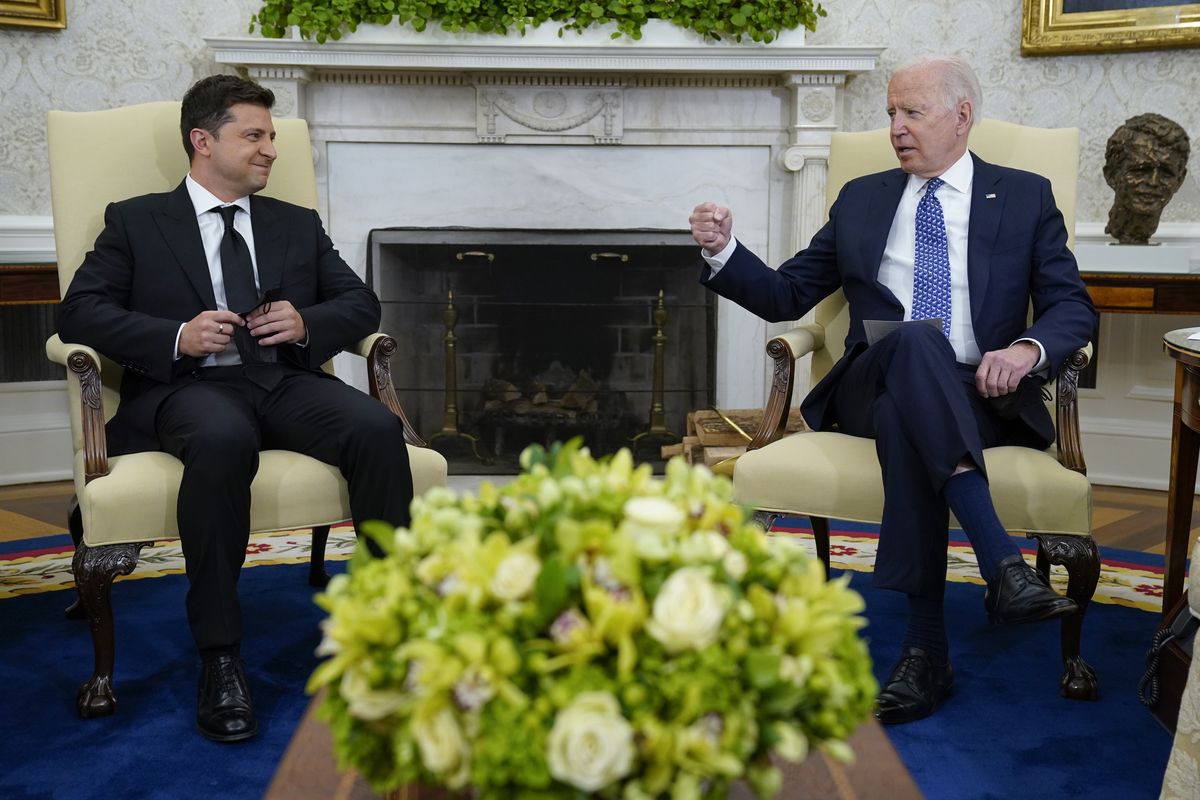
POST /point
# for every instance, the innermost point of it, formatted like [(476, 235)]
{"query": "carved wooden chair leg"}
[(317, 576), (95, 568), (75, 528), (820, 527), (1082, 561)]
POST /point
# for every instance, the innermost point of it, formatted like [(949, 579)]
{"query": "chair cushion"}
[(833, 475), (135, 501)]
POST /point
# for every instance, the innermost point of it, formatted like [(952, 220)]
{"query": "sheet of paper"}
[(876, 329)]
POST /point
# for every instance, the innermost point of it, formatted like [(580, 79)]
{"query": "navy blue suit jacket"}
[(147, 274), (1016, 256)]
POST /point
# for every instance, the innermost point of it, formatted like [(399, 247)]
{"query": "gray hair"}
[(958, 81)]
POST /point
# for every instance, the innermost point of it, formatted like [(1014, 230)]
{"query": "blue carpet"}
[(1005, 734)]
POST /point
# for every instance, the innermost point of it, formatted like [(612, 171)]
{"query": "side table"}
[(1185, 445)]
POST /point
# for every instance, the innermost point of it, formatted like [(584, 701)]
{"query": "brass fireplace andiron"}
[(658, 417), (450, 409)]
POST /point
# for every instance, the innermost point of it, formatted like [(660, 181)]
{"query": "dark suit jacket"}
[(1016, 255), (147, 274)]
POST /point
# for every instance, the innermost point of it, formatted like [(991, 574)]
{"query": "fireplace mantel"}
[(441, 52), (437, 130)]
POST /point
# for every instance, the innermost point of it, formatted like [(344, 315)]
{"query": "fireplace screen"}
[(508, 337)]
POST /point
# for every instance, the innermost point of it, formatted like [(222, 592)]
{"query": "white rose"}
[(704, 547), (441, 742), (591, 744), (652, 523), (688, 611), (515, 575)]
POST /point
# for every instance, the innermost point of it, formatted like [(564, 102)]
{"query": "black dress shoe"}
[(1019, 593), (915, 688), (223, 709)]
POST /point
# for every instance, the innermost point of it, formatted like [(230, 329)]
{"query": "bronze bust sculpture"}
[(1145, 163)]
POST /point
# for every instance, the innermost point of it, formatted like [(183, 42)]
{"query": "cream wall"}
[(115, 53), (112, 53)]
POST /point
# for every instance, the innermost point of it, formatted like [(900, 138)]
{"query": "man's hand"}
[(207, 333), (712, 226), (1001, 370), (277, 322)]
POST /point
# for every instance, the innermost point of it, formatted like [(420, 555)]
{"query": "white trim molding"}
[(35, 432), (26, 240)]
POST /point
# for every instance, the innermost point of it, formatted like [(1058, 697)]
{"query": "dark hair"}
[(206, 104)]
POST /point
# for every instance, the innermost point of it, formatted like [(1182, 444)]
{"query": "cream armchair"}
[(125, 502), (827, 475)]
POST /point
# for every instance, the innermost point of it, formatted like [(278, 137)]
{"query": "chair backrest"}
[(1050, 152), (97, 157)]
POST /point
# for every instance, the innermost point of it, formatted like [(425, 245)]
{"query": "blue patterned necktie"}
[(931, 261)]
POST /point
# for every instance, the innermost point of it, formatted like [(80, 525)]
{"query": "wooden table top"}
[(308, 772)]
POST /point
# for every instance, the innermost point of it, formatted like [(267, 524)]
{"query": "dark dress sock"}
[(970, 499), (927, 627)]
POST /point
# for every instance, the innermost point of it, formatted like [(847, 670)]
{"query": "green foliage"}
[(760, 21)]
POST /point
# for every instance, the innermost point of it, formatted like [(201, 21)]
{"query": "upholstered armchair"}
[(828, 475), (126, 502)]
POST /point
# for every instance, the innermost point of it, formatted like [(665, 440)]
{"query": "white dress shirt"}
[(896, 267), (212, 230)]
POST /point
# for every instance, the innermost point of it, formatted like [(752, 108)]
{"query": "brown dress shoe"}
[(916, 687), (224, 712), (1019, 593)]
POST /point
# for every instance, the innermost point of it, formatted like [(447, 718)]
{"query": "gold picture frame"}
[(34, 13), (1058, 27)]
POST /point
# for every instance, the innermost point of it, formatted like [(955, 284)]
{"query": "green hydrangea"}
[(588, 628)]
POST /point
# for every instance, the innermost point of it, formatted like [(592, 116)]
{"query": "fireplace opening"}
[(512, 337)]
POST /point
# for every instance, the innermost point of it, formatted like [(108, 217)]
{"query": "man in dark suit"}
[(221, 306), (969, 246)]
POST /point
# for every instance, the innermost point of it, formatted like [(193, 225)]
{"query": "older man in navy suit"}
[(968, 247)]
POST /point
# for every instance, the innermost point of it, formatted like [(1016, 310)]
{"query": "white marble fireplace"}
[(567, 135)]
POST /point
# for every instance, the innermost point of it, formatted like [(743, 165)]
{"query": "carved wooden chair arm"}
[(783, 350), (85, 363), (377, 349), (1070, 445)]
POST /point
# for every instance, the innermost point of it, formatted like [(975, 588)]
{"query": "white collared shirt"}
[(212, 230)]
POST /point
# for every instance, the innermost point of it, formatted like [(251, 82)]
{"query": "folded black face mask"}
[(1009, 406)]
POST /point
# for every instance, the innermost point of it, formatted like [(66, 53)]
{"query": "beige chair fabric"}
[(98, 157), (1182, 778), (837, 476)]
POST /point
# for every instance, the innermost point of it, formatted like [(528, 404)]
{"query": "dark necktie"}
[(241, 297), (931, 260)]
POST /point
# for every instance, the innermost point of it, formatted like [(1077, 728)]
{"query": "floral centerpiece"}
[(588, 628)]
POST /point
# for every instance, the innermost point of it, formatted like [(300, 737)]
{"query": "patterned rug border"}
[(48, 569)]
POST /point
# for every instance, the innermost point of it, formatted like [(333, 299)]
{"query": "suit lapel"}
[(177, 223), (987, 207), (270, 243), (881, 210)]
